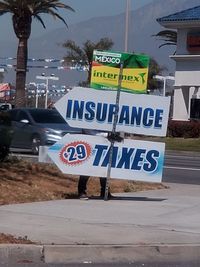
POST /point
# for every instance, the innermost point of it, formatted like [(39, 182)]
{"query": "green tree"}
[(83, 55), (23, 11), (154, 69)]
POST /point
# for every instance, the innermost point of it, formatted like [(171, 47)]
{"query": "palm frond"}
[(167, 35), (167, 43)]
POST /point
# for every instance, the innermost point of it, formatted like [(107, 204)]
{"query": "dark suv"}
[(34, 127)]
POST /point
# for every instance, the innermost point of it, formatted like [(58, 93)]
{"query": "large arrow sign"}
[(94, 109), (89, 155)]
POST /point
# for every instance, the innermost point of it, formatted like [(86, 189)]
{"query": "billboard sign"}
[(94, 109), (106, 71), (89, 155)]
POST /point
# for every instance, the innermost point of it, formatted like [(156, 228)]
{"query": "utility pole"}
[(127, 25), (47, 78)]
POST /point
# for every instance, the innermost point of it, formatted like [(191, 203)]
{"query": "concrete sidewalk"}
[(133, 226)]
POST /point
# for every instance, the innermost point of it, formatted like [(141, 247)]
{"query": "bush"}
[(185, 129)]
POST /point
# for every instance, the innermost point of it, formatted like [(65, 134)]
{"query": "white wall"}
[(181, 104), (187, 73), (187, 76), (182, 41)]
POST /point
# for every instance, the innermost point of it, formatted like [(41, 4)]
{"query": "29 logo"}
[(75, 153)]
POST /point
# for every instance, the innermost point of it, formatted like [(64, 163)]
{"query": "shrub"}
[(185, 129)]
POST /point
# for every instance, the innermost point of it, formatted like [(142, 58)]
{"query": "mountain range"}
[(142, 26)]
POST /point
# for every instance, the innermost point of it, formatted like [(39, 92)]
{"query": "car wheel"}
[(35, 145)]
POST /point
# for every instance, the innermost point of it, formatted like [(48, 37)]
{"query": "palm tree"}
[(22, 13), (168, 36), (84, 55)]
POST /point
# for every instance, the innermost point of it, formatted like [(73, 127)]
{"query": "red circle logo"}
[(75, 153)]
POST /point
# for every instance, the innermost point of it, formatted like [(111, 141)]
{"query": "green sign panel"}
[(106, 71)]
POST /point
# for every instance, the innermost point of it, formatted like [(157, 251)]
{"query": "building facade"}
[(186, 104)]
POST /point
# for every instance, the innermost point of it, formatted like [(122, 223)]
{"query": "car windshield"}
[(46, 116)]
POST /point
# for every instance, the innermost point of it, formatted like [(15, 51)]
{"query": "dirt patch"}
[(24, 181), (10, 239)]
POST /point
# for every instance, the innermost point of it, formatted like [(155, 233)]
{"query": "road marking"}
[(168, 156), (181, 168)]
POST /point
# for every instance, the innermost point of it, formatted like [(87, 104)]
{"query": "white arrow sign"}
[(89, 155), (94, 109)]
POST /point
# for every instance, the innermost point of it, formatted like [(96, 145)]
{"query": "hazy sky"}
[(93, 8), (84, 9)]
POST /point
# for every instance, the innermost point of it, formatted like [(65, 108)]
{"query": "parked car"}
[(34, 127)]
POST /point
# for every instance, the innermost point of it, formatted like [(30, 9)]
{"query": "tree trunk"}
[(89, 73), (21, 68)]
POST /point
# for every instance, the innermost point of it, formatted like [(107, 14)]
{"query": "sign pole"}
[(113, 131)]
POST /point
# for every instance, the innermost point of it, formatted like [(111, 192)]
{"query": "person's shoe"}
[(109, 195), (83, 197)]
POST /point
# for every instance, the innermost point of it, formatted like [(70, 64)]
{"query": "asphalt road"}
[(145, 264), (182, 168)]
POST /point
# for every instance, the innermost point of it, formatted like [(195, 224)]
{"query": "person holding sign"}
[(82, 183), (82, 187)]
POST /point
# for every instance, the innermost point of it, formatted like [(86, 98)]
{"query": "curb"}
[(18, 253), (65, 254)]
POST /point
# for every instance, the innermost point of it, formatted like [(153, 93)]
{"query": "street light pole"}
[(46, 95), (164, 79), (127, 25), (47, 78), (36, 96)]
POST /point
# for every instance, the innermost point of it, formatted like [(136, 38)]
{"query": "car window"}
[(46, 116)]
